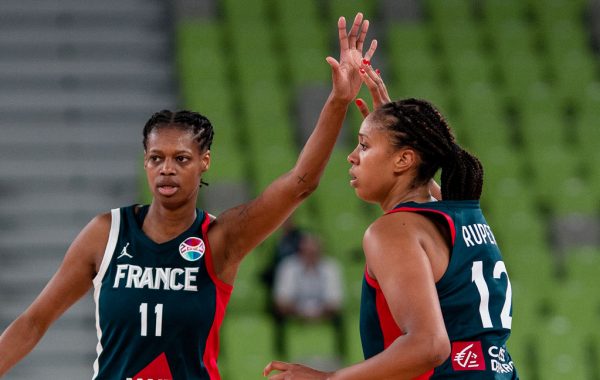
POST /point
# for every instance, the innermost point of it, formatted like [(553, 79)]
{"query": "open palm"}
[(346, 77)]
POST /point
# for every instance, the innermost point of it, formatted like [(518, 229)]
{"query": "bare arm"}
[(72, 280), (235, 232), (396, 257)]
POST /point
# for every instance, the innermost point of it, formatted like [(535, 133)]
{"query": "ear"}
[(205, 161), (405, 159), (145, 161)]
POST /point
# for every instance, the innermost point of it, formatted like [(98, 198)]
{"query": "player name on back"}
[(133, 276), (478, 234)]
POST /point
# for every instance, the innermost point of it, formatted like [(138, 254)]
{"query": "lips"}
[(167, 188)]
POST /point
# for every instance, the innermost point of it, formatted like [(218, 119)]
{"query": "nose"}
[(353, 157), (167, 168)]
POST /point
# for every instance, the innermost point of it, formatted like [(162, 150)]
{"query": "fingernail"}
[(358, 102), (377, 71), (362, 71), (366, 62)]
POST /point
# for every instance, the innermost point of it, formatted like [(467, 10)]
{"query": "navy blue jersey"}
[(474, 295), (159, 307)]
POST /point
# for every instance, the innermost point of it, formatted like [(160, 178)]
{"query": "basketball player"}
[(163, 273), (436, 300)]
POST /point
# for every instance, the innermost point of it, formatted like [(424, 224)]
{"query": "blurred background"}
[(517, 79)]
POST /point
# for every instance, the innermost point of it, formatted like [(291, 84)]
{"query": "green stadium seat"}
[(349, 9), (406, 38), (552, 166), (460, 37), (343, 218), (573, 71), (499, 11), (239, 15), (446, 13), (415, 68), (513, 36), (469, 67), (518, 71), (549, 12), (561, 350), (247, 345), (483, 118)]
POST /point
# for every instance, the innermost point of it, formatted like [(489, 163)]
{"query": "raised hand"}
[(379, 94), (346, 79)]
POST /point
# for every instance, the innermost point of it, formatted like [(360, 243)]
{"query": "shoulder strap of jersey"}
[(113, 237), (430, 210)]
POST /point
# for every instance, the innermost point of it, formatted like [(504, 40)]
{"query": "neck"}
[(163, 224), (419, 194)]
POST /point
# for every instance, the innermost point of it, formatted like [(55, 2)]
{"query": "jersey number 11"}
[(158, 310)]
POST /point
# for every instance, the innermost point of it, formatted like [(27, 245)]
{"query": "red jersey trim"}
[(417, 209), (389, 328), (222, 296)]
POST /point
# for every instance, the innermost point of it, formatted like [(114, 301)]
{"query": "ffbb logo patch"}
[(467, 356)]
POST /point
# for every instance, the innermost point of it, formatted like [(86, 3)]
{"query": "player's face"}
[(372, 174), (174, 165)]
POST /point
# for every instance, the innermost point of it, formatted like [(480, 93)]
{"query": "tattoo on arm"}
[(302, 179)]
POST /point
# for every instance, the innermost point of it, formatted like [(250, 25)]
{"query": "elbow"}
[(438, 352)]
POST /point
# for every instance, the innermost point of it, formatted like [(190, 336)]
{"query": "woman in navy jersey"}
[(436, 299), (163, 273)]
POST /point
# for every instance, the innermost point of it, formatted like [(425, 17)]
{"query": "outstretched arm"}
[(235, 232), (72, 280)]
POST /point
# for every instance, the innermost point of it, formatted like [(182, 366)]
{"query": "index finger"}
[(275, 366)]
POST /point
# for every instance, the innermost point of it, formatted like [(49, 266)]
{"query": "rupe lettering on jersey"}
[(478, 234), (134, 276)]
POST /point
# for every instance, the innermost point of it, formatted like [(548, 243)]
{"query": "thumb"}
[(362, 107), (335, 65)]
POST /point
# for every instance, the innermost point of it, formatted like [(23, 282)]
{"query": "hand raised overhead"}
[(346, 79)]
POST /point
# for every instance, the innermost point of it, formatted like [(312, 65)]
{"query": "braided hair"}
[(184, 120), (191, 121), (418, 124)]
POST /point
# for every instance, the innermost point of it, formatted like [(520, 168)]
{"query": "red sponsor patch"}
[(158, 369), (467, 356)]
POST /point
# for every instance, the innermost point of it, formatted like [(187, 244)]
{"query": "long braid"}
[(416, 123), (194, 122)]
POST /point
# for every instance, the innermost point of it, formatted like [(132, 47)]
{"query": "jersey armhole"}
[(113, 237), (370, 280), (430, 211), (227, 288)]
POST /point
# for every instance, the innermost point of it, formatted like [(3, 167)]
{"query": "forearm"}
[(317, 150), (18, 340), (406, 358)]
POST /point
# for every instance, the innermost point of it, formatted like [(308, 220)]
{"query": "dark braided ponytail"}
[(184, 120), (419, 125)]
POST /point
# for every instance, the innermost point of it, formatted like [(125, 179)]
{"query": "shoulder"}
[(397, 226)]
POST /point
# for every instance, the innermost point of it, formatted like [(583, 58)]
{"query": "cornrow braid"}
[(191, 121), (418, 124), (194, 122)]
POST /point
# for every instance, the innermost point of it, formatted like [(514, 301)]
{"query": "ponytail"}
[(418, 124)]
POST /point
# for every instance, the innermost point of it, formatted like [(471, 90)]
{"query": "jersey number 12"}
[(158, 310), (484, 294)]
